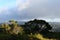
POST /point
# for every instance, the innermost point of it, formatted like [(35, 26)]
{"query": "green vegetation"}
[(31, 30), (37, 26)]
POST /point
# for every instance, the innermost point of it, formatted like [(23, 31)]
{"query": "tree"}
[(15, 28), (13, 23), (6, 27), (35, 26)]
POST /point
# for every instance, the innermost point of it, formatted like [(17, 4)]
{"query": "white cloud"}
[(29, 9), (3, 9), (22, 4)]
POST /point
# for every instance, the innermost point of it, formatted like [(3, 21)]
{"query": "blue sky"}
[(29, 9), (9, 3), (5, 6)]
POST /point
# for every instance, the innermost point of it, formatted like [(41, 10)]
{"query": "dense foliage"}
[(31, 30), (35, 26)]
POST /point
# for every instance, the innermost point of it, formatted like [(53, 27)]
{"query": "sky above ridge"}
[(30, 9)]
